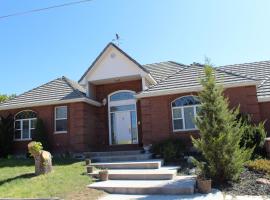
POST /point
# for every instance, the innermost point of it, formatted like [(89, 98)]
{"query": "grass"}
[(68, 180)]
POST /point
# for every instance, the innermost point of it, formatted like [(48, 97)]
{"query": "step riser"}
[(122, 158), (155, 190), (111, 153), (129, 166), (139, 176)]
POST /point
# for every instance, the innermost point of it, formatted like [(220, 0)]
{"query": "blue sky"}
[(40, 47)]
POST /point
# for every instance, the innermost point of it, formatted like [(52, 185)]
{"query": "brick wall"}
[(157, 118), (80, 127)]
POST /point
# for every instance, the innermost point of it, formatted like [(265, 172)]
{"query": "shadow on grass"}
[(22, 176)]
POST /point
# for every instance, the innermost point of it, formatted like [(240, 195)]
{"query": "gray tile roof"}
[(190, 76), (257, 70), (162, 70), (56, 90)]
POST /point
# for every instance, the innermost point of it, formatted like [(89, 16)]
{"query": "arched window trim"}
[(195, 107), (21, 122)]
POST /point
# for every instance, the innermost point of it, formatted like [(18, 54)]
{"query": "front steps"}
[(179, 185), (145, 164), (139, 175), (164, 173)]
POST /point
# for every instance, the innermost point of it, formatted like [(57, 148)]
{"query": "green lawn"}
[(68, 180)]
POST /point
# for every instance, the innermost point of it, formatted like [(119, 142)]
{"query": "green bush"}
[(253, 136), (170, 149), (41, 135), (260, 165), (6, 135)]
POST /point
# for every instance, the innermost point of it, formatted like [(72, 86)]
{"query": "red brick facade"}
[(157, 116), (88, 127)]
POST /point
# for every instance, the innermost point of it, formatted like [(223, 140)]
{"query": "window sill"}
[(60, 132), (22, 140)]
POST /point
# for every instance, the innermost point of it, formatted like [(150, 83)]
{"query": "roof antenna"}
[(116, 41)]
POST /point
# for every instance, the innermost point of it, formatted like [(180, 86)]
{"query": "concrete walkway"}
[(215, 195)]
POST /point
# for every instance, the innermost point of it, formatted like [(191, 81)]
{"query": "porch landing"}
[(142, 176)]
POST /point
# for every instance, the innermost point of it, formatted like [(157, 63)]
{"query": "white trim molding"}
[(56, 102), (264, 99), (191, 89)]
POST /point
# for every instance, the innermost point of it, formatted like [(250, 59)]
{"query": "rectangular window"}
[(24, 129), (61, 119), (184, 118)]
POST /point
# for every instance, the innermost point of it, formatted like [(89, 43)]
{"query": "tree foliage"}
[(4, 97), (6, 135), (221, 133)]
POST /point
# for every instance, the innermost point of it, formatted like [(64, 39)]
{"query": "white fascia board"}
[(46, 103), (264, 99), (191, 89)]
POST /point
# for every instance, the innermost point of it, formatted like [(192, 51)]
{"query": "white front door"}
[(123, 127)]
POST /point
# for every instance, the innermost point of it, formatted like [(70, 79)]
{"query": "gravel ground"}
[(247, 185)]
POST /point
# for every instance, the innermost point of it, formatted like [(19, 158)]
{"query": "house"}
[(119, 104)]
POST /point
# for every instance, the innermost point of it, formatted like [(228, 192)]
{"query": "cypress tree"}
[(220, 132)]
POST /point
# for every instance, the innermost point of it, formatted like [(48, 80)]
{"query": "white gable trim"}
[(121, 62)]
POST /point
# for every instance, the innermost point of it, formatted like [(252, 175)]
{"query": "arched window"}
[(184, 110), (24, 124)]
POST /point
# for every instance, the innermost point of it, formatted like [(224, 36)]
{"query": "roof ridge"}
[(69, 82), (170, 75), (244, 63)]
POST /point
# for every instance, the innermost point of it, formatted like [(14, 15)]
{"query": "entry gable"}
[(113, 64)]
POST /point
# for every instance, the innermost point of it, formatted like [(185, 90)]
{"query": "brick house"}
[(119, 104)]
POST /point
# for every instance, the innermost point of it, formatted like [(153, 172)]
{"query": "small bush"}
[(41, 135), (253, 136), (170, 149), (35, 148), (260, 165), (6, 135)]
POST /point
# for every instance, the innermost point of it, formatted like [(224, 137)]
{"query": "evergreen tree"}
[(220, 134)]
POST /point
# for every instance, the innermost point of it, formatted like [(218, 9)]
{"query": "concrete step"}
[(144, 164), (112, 153), (179, 185), (163, 173), (122, 157)]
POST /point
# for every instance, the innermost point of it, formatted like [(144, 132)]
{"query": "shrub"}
[(6, 135), (253, 136), (260, 165), (170, 149), (223, 158), (35, 148), (41, 135)]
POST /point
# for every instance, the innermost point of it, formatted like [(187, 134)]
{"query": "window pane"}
[(61, 125), (17, 124), (61, 112), (177, 124), (177, 113), (25, 133), (134, 130), (122, 96), (17, 134), (122, 108), (26, 115), (33, 123), (32, 131), (185, 101), (189, 117), (113, 133)]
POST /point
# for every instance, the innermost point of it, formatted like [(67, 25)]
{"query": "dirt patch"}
[(247, 185)]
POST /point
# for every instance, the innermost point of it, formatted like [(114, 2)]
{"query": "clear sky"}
[(40, 47)]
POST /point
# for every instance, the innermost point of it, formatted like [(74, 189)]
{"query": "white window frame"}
[(183, 115), (56, 119), (21, 126)]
